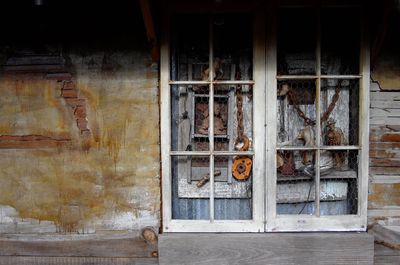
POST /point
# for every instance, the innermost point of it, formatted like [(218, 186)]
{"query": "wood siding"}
[(384, 188)]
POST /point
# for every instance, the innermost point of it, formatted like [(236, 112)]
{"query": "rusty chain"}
[(239, 107), (326, 114)]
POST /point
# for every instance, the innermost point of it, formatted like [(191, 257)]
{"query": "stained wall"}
[(79, 121)]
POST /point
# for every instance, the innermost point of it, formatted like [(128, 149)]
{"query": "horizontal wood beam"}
[(150, 30), (120, 244), (272, 248)]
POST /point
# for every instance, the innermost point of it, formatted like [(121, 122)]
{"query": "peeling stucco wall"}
[(107, 178)]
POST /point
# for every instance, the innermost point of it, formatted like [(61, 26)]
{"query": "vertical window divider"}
[(211, 116), (318, 116)]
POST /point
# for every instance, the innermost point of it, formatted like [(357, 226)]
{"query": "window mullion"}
[(211, 116), (318, 115)]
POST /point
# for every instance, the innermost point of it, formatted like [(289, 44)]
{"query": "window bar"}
[(286, 77), (220, 82), (211, 116), (318, 117)]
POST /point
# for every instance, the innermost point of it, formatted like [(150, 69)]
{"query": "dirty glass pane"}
[(189, 201), (189, 119), (340, 41), (233, 47), (233, 117), (295, 192), (339, 112), (189, 47), (339, 183), (296, 41), (296, 113), (233, 188)]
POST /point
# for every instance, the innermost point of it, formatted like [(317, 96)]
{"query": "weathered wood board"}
[(123, 245), (286, 248), (12, 260)]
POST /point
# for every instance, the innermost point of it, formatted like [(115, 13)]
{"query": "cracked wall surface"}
[(80, 147)]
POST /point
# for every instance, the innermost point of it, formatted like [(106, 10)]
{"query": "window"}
[(246, 121)]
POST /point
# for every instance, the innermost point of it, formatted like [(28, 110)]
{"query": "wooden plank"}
[(13, 260), (385, 179), (385, 104), (385, 96), (382, 250), (384, 153), (384, 121), (387, 260), (385, 163), (384, 212), (272, 248), (384, 112), (126, 245), (384, 170)]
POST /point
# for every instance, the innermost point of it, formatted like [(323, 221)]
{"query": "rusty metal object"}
[(286, 166), (335, 136), (325, 115), (206, 178), (242, 144), (241, 167)]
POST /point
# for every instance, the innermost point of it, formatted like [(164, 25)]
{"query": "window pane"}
[(188, 200), (339, 112), (296, 113), (339, 186), (340, 41), (233, 46), (297, 41), (189, 47), (295, 192), (233, 197), (190, 119), (233, 117)]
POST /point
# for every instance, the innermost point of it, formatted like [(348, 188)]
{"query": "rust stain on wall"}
[(75, 187)]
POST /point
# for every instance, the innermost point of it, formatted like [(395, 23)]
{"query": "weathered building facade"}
[(80, 136)]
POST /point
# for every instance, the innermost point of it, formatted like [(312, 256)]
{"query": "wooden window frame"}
[(256, 224), (298, 223), (264, 217)]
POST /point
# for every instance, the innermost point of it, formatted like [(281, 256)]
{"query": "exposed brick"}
[(80, 112), (74, 102), (69, 86), (85, 133), (59, 76), (69, 93), (82, 124)]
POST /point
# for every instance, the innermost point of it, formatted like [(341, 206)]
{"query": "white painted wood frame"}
[(299, 223), (265, 145), (256, 224)]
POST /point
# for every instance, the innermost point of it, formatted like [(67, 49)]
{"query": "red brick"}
[(74, 102), (69, 93), (69, 86), (59, 76), (80, 112)]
